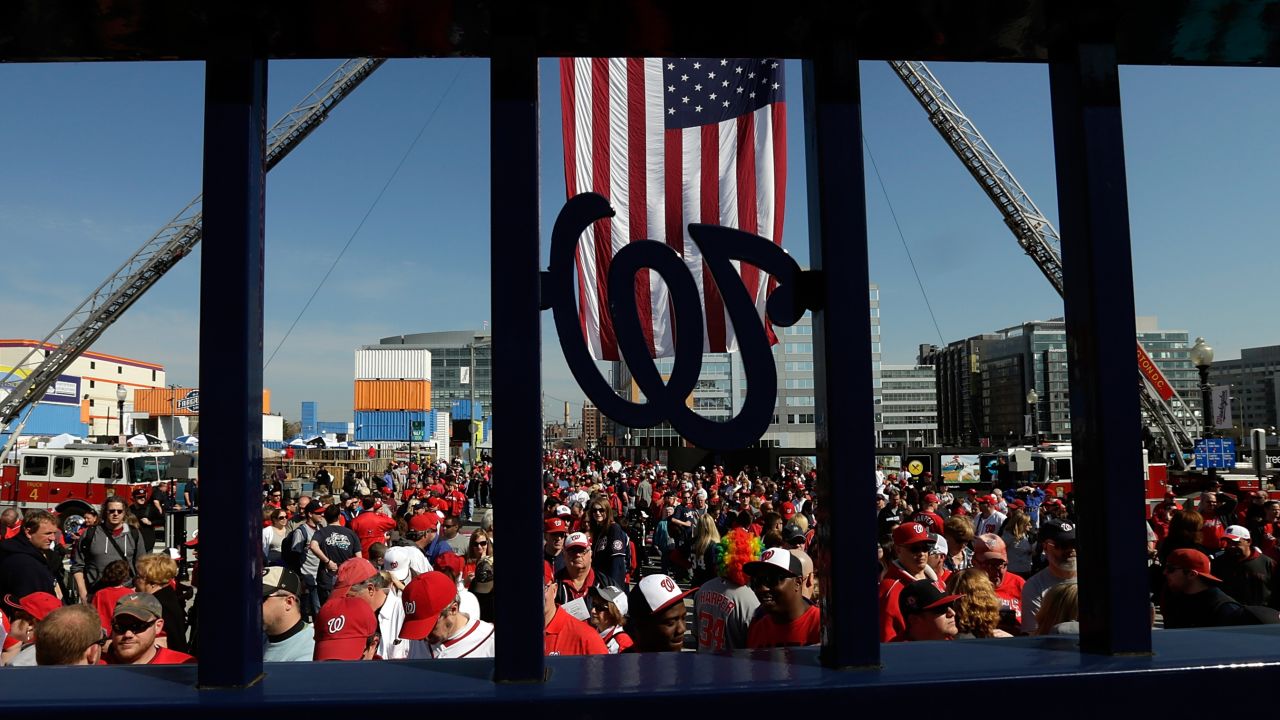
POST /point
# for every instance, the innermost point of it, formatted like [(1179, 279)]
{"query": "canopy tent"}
[(58, 442)]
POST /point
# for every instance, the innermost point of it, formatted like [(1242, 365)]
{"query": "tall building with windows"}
[(1255, 389), (452, 365), (907, 408), (983, 381)]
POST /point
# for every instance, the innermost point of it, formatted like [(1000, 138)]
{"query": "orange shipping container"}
[(178, 401), (393, 395)]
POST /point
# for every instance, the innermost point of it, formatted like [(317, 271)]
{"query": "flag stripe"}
[(600, 184), (637, 187), (710, 191), (671, 142), (655, 177)]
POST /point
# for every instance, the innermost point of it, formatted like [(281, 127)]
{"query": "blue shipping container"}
[(273, 444), (50, 419), (338, 428), (308, 417), (374, 425), (461, 410)]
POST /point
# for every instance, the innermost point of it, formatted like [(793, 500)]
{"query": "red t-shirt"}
[(457, 503), (765, 632), (892, 624), (1211, 535), (930, 520), (371, 527), (163, 656), (567, 635), (1010, 594), (104, 601)]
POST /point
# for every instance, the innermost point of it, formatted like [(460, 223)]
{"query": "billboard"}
[(961, 469), (63, 391)]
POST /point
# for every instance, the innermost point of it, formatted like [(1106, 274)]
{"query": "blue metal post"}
[(516, 349), (1098, 302), (845, 426), (231, 277)]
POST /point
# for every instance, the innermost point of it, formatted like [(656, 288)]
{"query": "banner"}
[(1221, 407), (1148, 368)]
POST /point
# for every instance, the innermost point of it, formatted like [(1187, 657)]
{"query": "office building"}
[(907, 407), (460, 365), (1255, 389)]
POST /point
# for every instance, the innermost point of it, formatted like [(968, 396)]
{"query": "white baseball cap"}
[(1238, 532), (655, 593), (940, 547), (780, 558), (577, 540), (613, 594), (400, 561)]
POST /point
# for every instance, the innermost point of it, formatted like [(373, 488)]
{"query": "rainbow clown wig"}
[(737, 548)]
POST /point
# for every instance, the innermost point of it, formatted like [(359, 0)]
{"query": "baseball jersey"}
[(721, 614), (371, 527), (991, 524), (1010, 594), (473, 640), (930, 520), (567, 635), (616, 639), (765, 632)]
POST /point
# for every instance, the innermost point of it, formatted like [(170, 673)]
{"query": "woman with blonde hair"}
[(1019, 541), (706, 541), (978, 609), (1059, 610), (156, 575)]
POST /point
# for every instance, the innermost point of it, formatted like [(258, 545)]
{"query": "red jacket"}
[(371, 527), (892, 624)]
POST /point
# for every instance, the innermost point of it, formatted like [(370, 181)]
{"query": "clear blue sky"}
[(97, 157)]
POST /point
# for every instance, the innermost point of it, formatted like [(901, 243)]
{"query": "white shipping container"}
[(272, 428), (393, 364)]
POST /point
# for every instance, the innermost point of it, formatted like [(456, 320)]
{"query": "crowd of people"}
[(637, 558)]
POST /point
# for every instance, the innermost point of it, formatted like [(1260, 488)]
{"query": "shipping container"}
[(308, 417), (165, 402), (393, 395), (393, 425), (462, 410), (393, 364), (337, 428), (53, 419)]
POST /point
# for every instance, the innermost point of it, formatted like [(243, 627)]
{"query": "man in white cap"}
[(656, 622), (404, 563), (786, 618), (578, 577), (1247, 575)]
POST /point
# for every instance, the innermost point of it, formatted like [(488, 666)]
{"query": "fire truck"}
[(70, 480), (1051, 463)]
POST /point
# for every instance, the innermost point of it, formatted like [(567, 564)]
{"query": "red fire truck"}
[(70, 480)]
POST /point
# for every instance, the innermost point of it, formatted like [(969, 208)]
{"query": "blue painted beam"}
[(845, 428), (515, 279), (231, 291), (1098, 303)]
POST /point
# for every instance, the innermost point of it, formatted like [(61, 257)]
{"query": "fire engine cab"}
[(70, 480)]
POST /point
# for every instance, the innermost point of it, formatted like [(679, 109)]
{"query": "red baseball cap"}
[(910, 534), (449, 561), (788, 510), (343, 628), (930, 498), (424, 522), (424, 599), (1189, 560), (555, 525), (353, 571), (37, 604)]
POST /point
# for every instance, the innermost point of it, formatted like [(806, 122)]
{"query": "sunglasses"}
[(482, 543), (131, 625), (114, 511)]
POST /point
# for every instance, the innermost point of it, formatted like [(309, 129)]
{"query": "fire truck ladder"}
[(45, 362), (1032, 229)]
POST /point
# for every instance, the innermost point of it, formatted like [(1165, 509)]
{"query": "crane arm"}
[(1034, 232), (31, 377)]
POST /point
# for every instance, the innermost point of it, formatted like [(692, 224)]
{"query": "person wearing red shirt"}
[(657, 614), (1211, 534), (371, 526), (457, 500), (912, 544), (928, 515), (991, 554), (563, 634), (134, 626), (786, 618)]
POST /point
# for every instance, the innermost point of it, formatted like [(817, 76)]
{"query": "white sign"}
[(1222, 407), (464, 376)]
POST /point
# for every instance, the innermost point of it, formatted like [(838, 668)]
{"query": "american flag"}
[(672, 141)]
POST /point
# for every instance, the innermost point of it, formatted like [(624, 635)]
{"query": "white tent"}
[(61, 441)]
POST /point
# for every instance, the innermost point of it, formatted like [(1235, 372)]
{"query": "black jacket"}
[(23, 568), (1209, 608)]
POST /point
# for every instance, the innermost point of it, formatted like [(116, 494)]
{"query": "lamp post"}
[(1202, 357), (121, 394), (1033, 397)]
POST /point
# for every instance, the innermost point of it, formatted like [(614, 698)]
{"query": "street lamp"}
[(1033, 397), (1202, 357), (121, 394)]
